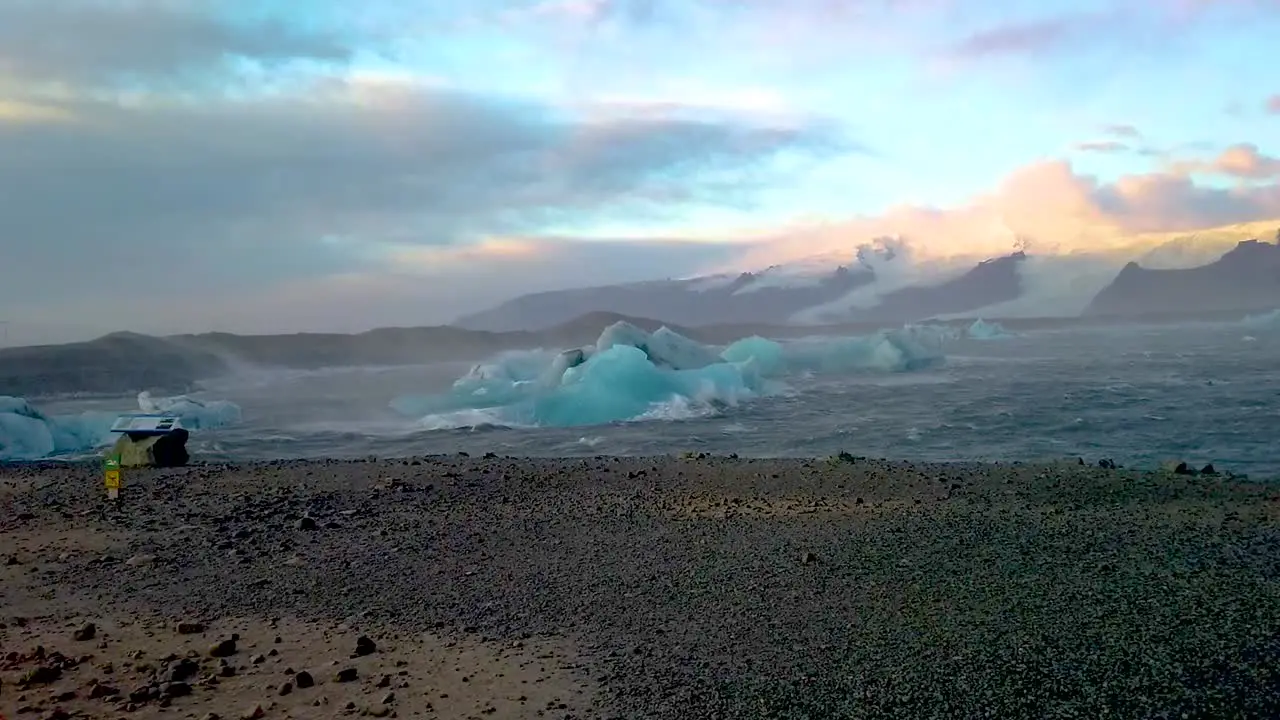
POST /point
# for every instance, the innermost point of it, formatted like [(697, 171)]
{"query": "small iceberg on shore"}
[(27, 433)]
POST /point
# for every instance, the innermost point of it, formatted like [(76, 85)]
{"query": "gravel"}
[(722, 587)]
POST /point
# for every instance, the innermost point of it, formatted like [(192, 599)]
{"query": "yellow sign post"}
[(111, 477)]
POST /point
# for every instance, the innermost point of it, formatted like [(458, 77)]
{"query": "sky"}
[(326, 165)]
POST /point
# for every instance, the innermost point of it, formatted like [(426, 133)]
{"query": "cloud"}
[(1242, 161), (437, 284), (1128, 132), (1128, 28), (1102, 146), (1046, 207), (1019, 39), (88, 42), (1272, 105), (234, 193)]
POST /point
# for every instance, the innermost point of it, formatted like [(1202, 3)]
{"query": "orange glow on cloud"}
[(1045, 208), (12, 111), (431, 259)]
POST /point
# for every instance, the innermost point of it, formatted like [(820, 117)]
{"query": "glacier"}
[(631, 374), (27, 433)]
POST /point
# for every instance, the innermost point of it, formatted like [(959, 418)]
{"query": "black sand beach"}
[(639, 588)]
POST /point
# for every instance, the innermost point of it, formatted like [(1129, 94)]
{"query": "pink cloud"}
[(1272, 105), (1049, 204), (1017, 39), (1242, 161)]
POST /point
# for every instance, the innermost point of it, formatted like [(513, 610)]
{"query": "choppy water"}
[(1139, 395)]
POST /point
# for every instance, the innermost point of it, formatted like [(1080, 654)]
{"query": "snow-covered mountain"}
[(886, 280)]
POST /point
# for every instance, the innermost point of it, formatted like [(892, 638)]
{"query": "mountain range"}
[(855, 291), (716, 309)]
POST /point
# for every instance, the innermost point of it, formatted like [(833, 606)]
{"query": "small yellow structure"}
[(111, 476)]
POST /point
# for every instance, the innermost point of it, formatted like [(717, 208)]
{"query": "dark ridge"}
[(1247, 278), (988, 283)]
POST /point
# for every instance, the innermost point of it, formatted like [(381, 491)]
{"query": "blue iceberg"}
[(630, 374)]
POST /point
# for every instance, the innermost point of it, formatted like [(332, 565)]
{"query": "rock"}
[(384, 681), (182, 670), (304, 680), (190, 628), (1208, 470), (1176, 467), (307, 523), (259, 659), (140, 559), (346, 675), (142, 694), (378, 711), (42, 675), (211, 716), (11, 560), (388, 698), (254, 712), (285, 689), (102, 691), (808, 558), (85, 632), (364, 646), (176, 689), (223, 648)]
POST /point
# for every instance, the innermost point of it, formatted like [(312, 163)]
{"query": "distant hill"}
[(771, 296), (128, 362), (112, 363), (1245, 278)]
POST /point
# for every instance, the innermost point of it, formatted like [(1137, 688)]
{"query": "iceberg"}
[(1262, 320), (983, 330), (630, 374), (193, 414), (29, 434)]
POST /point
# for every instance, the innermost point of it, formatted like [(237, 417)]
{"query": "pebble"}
[(1012, 600)]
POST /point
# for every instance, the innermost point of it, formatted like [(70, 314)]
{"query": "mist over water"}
[(1140, 395)]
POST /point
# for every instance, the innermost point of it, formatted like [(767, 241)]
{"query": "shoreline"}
[(657, 587), (1165, 468)]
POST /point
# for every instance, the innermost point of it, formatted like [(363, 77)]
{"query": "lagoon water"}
[(1205, 393)]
